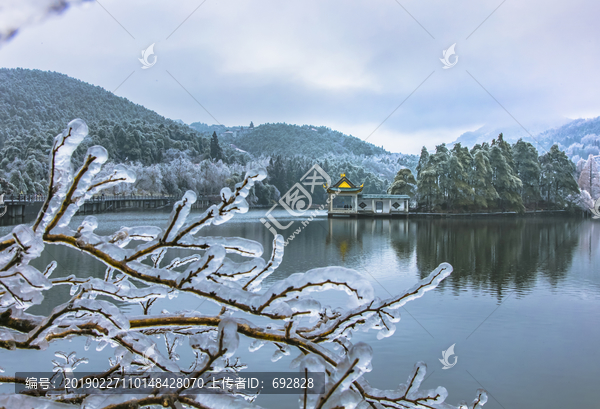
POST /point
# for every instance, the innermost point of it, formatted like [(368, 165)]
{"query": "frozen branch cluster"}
[(16, 15), (139, 271)]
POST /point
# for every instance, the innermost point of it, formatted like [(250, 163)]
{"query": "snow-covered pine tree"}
[(404, 183), (505, 181), (557, 176), (484, 193), (527, 166), (216, 152), (460, 192)]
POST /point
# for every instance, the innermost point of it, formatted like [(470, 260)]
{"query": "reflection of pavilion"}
[(345, 198)]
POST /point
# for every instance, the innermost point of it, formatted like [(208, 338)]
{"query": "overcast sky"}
[(347, 65)]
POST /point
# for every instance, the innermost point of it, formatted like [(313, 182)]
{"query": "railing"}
[(101, 198), (347, 207), (24, 198), (32, 198)]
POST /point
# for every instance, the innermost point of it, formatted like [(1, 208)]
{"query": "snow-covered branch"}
[(139, 271)]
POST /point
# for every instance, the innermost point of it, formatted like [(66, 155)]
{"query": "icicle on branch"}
[(140, 270)]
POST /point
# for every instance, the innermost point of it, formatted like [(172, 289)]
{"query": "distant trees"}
[(579, 138), (181, 174), (279, 178), (292, 140), (6, 186), (494, 177), (18, 181), (34, 105)]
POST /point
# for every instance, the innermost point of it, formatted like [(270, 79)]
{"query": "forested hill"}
[(578, 138), (36, 105), (34, 98), (286, 140)]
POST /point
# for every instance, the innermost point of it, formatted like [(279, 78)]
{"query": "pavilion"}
[(346, 198)]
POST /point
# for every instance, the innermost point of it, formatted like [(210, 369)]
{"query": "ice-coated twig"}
[(140, 275)]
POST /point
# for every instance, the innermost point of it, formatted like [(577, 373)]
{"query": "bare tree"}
[(140, 274)]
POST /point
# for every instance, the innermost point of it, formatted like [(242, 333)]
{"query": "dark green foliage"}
[(216, 152), (404, 183), (527, 167), (460, 191), (293, 140), (278, 175), (484, 193), (33, 102), (557, 180), (267, 195), (427, 188), (423, 161), (36, 105), (504, 177), (439, 163), (498, 177)]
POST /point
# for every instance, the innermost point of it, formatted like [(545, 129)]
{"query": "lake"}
[(522, 305)]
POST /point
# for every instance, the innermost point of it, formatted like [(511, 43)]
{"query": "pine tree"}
[(527, 167), (484, 193), (216, 152), (460, 192), (428, 188), (404, 183), (557, 176), (423, 161), (504, 179), (277, 174), (439, 162)]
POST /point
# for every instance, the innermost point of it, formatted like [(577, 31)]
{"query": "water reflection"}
[(554, 259), (499, 255), (494, 255)]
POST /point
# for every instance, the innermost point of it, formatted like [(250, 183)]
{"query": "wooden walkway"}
[(30, 205)]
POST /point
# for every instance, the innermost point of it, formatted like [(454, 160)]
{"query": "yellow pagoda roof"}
[(344, 185)]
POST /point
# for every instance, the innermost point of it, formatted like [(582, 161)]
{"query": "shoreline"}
[(8, 220)]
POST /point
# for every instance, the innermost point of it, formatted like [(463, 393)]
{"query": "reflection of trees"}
[(497, 254), (402, 238), (344, 231)]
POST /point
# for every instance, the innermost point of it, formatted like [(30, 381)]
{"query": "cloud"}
[(344, 65)]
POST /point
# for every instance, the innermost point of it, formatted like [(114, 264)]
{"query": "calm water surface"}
[(522, 305)]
